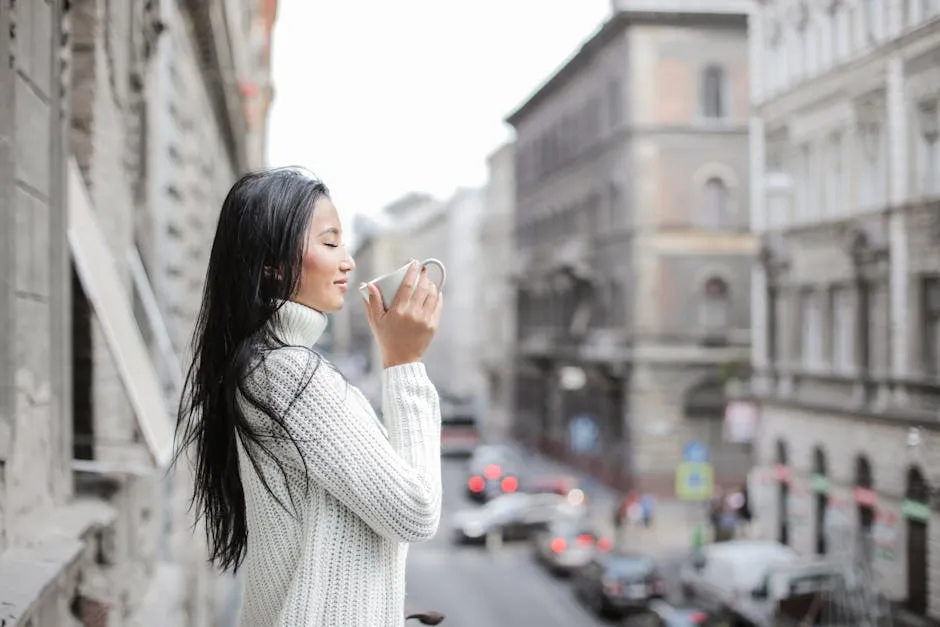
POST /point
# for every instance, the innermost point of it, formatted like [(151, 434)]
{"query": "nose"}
[(349, 264)]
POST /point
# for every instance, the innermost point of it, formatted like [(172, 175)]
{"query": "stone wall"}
[(125, 90)]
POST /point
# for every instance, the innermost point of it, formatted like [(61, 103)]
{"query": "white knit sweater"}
[(370, 488)]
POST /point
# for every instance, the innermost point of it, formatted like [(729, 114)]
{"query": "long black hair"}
[(254, 266)]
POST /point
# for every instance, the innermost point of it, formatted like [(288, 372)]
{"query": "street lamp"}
[(572, 378)]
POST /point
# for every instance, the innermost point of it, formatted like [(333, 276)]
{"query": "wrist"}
[(392, 362)]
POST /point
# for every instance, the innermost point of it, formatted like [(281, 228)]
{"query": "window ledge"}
[(55, 542)]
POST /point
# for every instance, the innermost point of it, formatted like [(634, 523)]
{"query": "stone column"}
[(759, 221), (899, 167), (7, 261)]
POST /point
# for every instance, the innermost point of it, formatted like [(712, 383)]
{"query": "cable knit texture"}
[(368, 489)]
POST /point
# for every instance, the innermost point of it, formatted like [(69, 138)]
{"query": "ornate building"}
[(122, 126), (846, 294), (631, 227)]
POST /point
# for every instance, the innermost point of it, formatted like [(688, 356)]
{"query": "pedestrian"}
[(646, 505), (301, 487)]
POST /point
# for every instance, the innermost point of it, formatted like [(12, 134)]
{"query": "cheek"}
[(318, 266)]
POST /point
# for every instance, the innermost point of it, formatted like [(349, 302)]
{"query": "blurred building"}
[(382, 244), (449, 234), (633, 251), (420, 226), (122, 126), (846, 297), (497, 293)]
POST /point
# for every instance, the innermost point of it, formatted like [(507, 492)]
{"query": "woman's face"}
[(326, 263)]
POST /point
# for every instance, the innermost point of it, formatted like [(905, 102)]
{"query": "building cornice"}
[(214, 49), (607, 33), (856, 78)]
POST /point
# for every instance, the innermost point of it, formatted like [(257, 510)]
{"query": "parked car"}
[(719, 575), (493, 470), (459, 432), (790, 591), (566, 545), (663, 614), (511, 517), (618, 584)]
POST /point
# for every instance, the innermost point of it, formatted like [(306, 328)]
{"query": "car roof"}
[(743, 548)]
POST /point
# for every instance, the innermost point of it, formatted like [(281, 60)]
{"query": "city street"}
[(475, 587)]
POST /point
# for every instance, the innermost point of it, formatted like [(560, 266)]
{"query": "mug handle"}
[(440, 266)]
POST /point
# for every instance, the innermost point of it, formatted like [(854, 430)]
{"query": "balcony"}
[(906, 401)]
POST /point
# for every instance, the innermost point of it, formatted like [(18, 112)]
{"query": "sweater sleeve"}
[(394, 483)]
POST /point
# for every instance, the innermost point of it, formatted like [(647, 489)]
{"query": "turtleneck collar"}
[(299, 325)]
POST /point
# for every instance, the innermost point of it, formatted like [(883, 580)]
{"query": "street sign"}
[(695, 452), (583, 433), (695, 481)]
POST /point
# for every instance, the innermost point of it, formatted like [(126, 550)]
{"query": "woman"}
[(297, 479)]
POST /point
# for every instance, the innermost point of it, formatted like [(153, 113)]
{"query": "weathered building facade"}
[(496, 305), (631, 227), (846, 295), (420, 226), (122, 125)]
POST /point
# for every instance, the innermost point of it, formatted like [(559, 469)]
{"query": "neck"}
[(299, 325)]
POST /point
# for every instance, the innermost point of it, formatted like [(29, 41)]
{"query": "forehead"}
[(324, 215)]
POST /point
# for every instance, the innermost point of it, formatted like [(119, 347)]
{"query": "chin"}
[(333, 307)]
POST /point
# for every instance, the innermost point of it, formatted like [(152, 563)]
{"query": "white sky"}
[(382, 97)]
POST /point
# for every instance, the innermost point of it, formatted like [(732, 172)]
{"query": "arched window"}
[(714, 99), (716, 204), (716, 306), (783, 493), (866, 502), (820, 486), (916, 510)]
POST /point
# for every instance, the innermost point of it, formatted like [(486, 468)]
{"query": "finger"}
[(421, 293), (430, 301), (403, 295), (375, 308), (438, 308)]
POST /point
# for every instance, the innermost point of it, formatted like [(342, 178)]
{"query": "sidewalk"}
[(672, 529), (673, 523)]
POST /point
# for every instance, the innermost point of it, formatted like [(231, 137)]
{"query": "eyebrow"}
[(331, 230)]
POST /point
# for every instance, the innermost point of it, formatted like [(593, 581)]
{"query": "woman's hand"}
[(407, 328)]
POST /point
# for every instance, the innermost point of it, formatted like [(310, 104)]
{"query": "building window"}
[(878, 328), (804, 183), (772, 300), (843, 330), (835, 39), (811, 321), (716, 306), (716, 204), (929, 131), (930, 313), (714, 105), (871, 18), (834, 192), (866, 501), (872, 163)]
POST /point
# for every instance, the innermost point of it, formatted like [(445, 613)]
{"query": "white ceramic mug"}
[(389, 284)]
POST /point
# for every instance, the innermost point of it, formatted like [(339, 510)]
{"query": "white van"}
[(723, 573)]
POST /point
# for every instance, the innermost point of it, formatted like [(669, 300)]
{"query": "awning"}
[(112, 306)]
